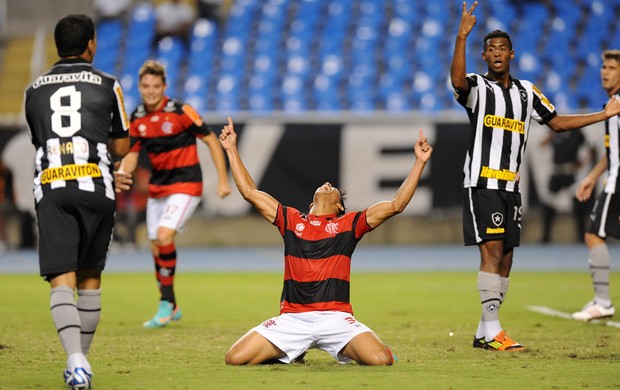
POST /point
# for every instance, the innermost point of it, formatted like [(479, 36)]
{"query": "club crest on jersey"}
[(331, 228), (497, 218), (167, 127), (523, 95)]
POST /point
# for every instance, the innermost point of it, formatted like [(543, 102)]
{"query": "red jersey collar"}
[(161, 106)]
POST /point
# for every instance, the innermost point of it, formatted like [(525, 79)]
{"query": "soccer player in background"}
[(167, 130), (500, 109), (604, 220), (315, 311), (76, 117)]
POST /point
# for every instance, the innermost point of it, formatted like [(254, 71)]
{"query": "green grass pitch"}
[(412, 312)]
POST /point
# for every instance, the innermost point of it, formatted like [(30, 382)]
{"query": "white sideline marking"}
[(556, 313)]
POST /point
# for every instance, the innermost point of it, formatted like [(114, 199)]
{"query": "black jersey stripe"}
[(313, 292), (189, 174)]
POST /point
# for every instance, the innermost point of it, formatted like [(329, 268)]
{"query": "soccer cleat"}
[(501, 342), (176, 314), (394, 357), (165, 314), (78, 378), (588, 305), (479, 343), (594, 311)]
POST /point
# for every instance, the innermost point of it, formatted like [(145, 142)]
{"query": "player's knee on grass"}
[(379, 358)]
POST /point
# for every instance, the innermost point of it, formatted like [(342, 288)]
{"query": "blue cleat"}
[(165, 314), (176, 314)]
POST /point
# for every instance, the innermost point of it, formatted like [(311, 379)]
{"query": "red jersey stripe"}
[(287, 307), (176, 158), (159, 191)]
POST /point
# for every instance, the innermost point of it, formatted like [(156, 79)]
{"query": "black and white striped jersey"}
[(72, 112), (612, 149), (500, 121)]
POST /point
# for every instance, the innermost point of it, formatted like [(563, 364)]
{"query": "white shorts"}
[(295, 333), (171, 211)]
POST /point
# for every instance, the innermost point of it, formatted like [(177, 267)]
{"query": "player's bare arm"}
[(382, 211), (217, 155), (266, 205), (571, 122), (120, 146), (458, 67), (586, 187)]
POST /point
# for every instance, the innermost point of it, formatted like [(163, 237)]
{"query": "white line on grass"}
[(556, 313)]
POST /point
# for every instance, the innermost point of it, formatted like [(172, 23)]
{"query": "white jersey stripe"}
[(500, 120), (102, 152), (613, 128)]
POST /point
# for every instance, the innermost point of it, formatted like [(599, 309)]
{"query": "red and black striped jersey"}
[(500, 121), (317, 259), (168, 136), (73, 111), (612, 149)]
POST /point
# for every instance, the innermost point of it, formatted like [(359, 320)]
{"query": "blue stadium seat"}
[(109, 33)]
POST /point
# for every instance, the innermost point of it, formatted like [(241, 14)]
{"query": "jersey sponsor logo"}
[(495, 230), (70, 172), (299, 228), (192, 114), (315, 223), (142, 129), (543, 98), (503, 174), (82, 77), (504, 123)]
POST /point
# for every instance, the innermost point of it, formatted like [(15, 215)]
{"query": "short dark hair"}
[(611, 55), (496, 34), (72, 34)]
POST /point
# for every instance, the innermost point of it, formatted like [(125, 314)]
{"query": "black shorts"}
[(491, 215), (604, 219), (75, 229)]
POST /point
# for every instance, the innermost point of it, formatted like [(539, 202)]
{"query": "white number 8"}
[(70, 111)]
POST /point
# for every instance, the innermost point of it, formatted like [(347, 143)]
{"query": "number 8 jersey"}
[(72, 112)]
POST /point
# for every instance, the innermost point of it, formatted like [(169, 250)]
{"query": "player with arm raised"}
[(500, 109), (315, 311)]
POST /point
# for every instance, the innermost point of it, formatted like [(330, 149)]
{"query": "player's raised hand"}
[(228, 137), (613, 107), (468, 19), (422, 148)]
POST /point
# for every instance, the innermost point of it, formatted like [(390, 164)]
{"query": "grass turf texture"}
[(412, 312)]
